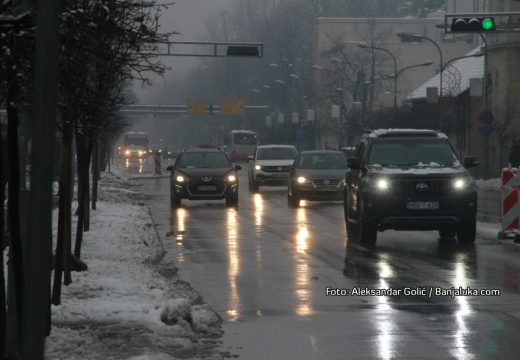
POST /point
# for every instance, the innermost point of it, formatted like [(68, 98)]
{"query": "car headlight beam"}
[(382, 184), (460, 184), (231, 178), (302, 180), (258, 167), (180, 178)]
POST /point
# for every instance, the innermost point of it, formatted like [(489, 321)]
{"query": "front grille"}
[(275, 169), (427, 187), (323, 182)]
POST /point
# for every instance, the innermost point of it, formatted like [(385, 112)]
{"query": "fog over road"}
[(265, 267)]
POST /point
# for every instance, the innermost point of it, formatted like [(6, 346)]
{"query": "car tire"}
[(447, 235), (175, 201), (346, 207), (367, 232), (253, 186), (232, 200), (467, 232), (293, 199)]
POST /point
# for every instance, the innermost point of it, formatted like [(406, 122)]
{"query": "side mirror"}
[(251, 157), (238, 167), (470, 162), (169, 168), (354, 163)]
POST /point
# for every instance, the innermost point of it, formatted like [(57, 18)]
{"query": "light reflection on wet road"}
[(265, 267)]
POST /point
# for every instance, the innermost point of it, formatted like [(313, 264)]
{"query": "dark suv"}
[(406, 179), (203, 174)]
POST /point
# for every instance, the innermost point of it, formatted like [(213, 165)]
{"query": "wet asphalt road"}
[(265, 267)]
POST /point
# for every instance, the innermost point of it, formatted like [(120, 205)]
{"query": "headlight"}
[(232, 178), (382, 184), (460, 183), (258, 167), (140, 153), (302, 180), (180, 178), (127, 152)]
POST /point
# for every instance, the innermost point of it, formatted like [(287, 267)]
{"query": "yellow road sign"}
[(197, 107), (232, 107)]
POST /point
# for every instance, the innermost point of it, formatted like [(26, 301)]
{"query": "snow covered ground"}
[(129, 305)]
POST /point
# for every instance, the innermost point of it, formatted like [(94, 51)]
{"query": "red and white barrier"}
[(157, 163), (510, 205)]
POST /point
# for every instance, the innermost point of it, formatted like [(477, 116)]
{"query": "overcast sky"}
[(186, 17)]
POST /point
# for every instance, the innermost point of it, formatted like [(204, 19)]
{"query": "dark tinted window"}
[(244, 139), (322, 161), (411, 152), (203, 160), (276, 153)]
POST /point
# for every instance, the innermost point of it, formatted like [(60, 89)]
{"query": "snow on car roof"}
[(382, 132)]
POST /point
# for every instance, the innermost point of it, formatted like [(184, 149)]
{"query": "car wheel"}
[(232, 200), (253, 186), (446, 235), (467, 232), (346, 207), (367, 232), (174, 200), (293, 198)]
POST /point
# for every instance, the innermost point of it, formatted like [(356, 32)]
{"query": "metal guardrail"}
[(489, 206)]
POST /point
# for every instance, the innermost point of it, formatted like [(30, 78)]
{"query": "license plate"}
[(326, 188), (207, 188), (422, 205)]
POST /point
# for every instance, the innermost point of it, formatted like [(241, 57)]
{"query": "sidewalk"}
[(119, 308)]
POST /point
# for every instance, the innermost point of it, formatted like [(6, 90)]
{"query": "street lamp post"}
[(404, 35)]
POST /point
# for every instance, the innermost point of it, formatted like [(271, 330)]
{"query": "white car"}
[(270, 165)]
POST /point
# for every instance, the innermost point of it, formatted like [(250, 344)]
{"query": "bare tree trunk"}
[(62, 264), (84, 151), (86, 222), (3, 328), (13, 208), (95, 172)]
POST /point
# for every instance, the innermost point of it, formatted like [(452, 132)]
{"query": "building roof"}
[(455, 77)]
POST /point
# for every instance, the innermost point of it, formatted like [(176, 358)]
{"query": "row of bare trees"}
[(286, 27), (105, 44)]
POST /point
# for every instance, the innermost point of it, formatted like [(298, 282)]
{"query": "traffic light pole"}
[(486, 104)]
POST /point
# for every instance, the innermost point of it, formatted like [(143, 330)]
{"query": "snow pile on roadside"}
[(489, 185), (113, 310)]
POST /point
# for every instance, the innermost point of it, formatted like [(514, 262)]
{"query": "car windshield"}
[(203, 160), (411, 152), (322, 161), (276, 153)]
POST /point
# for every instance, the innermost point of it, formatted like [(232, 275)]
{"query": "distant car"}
[(317, 175), (203, 174), (270, 165), (134, 151), (406, 179)]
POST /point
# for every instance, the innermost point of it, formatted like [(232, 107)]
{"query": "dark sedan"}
[(203, 174), (317, 176)]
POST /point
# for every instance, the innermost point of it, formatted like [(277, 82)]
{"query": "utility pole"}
[(38, 254)]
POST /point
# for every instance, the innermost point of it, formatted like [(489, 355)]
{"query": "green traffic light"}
[(488, 24)]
